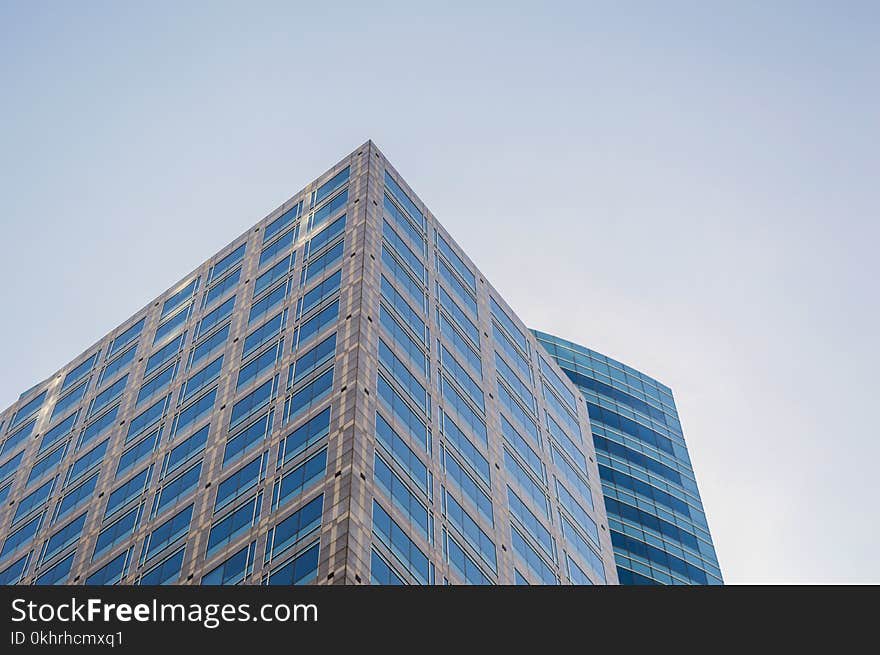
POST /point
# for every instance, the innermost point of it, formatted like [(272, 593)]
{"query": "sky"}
[(690, 188)]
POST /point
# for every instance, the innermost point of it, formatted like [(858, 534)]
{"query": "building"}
[(655, 515), (338, 396)]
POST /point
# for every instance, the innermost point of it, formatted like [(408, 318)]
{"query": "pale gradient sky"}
[(690, 189)]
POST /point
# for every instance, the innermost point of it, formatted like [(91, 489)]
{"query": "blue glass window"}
[(221, 288), (109, 394), (302, 569), (273, 274), (507, 323), (415, 354), (49, 463), (180, 297), (172, 325), (249, 437), (71, 399), (164, 354), (318, 323), (295, 527), (306, 435), (319, 265), (307, 397), (227, 262), (470, 530), (320, 293), (194, 412), (76, 497), (405, 280), (126, 337), (79, 372), (88, 461), (578, 513), (251, 403), (314, 359), (404, 548), (405, 225), (566, 443), (146, 419), (293, 484), (522, 448), (209, 345), (454, 400), (381, 572), (64, 537), (21, 435), (463, 563), (462, 346), (328, 211), (118, 531), (403, 454), (239, 482), (326, 235), (128, 491), (403, 309), (458, 440), (282, 222), (215, 317), (169, 532), (408, 205), (281, 244), (165, 573), (526, 483), (137, 453), (403, 252), (112, 572), (458, 288), (200, 380), (10, 466), (558, 384), (234, 524), (574, 539), (519, 387), (465, 381), (58, 574), (531, 557), (234, 569), (187, 449), (400, 495), (416, 427), (24, 535), (58, 432), (157, 384), (462, 479), (259, 365), (117, 365), (268, 302), (458, 316), (533, 525), (264, 334), (177, 488), (326, 190), (457, 263), (400, 373), (14, 573), (33, 500), (97, 427), (519, 414)]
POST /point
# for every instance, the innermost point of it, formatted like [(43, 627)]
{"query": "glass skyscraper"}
[(655, 515), (339, 396)]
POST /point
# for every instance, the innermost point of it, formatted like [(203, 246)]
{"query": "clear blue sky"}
[(691, 189)]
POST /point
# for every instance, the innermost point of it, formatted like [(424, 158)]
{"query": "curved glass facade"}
[(655, 515)]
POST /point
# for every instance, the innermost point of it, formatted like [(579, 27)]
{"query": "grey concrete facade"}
[(36, 548)]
